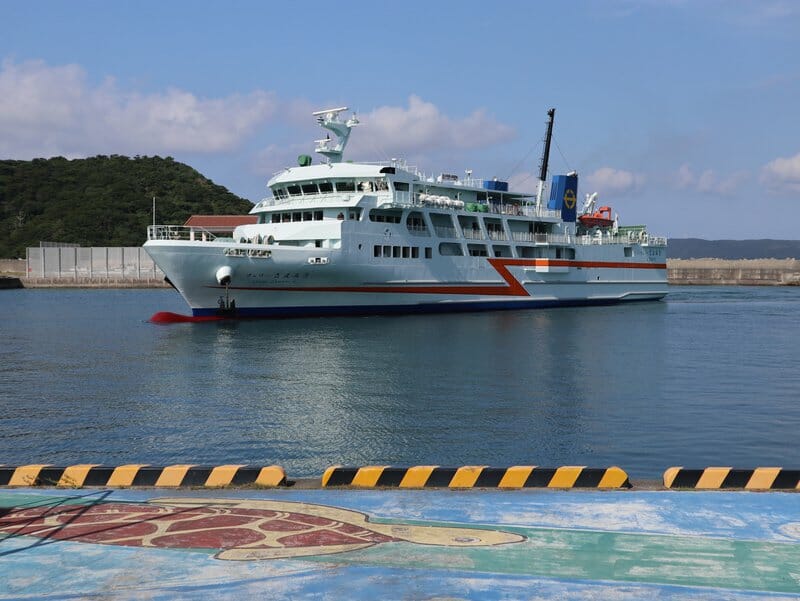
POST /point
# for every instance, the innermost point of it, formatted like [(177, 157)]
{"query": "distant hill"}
[(696, 248), (101, 201)]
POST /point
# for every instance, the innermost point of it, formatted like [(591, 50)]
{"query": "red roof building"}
[(220, 224)]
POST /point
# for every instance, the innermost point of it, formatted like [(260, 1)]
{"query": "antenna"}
[(329, 119), (548, 136)]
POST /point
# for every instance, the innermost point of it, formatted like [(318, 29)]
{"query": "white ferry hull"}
[(286, 284)]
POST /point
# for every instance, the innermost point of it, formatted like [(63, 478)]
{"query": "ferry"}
[(338, 237)]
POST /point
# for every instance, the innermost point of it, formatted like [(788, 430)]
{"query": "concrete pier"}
[(398, 544)]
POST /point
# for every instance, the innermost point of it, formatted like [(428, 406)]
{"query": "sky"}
[(683, 115)]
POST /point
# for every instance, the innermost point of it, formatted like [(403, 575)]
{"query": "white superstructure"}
[(338, 238)]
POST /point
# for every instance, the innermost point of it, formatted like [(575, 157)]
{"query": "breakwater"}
[(701, 272), (745, 272)]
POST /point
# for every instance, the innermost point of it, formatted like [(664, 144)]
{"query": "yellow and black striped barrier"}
[(431, 476), (77, 476), (760, 478)]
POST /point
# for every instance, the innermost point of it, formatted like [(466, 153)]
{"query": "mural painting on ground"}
[(240, 530)]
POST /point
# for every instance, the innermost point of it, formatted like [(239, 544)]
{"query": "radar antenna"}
[(329, 119)]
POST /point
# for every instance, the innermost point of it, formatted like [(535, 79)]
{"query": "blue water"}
[(708, 377)]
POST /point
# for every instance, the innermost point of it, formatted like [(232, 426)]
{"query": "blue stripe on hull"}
[(356, 310)]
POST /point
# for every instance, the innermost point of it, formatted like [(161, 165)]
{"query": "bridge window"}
[(346, 186), (317, 215), (309, 188), (325, 187), (294, 190), (401, 186)]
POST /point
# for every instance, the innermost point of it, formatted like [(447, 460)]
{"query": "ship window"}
[(346, 186), (276, 218), (365, 187), (401, 186), (428, 252), (317, 215), (415, 252), (451, 249), (297, 216), (387, 251), (477, 250), (287, 217), (294, 189), (325, 187), (628, 251), (396, 252), (406, 252), (308, 216), (318, 243), (309, 188), (355, 214), (388, 216), (377, 250)]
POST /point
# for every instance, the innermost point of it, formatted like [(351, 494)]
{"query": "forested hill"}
[(696, 248), (101, 201)]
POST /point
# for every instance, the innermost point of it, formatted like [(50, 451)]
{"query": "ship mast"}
[(548, 136), (329, 119)]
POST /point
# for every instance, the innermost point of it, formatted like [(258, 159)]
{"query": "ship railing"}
[(496, 235), (473, 234), (418, 230), (626, 238), (179, 232), (445, 232)]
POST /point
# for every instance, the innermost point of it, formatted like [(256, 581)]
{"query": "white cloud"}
[(708, 182), (782, 174), (608, 180), (48, 110), (421, 127)]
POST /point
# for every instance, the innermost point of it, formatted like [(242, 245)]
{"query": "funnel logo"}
[(569, 199)]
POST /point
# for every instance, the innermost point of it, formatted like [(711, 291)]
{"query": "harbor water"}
[(707, 377)]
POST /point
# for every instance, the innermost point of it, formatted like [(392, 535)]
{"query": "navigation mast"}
[(548, 136), (329, 119)]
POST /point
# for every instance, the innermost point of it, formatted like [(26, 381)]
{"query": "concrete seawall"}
[(750, 272), (701, 272)]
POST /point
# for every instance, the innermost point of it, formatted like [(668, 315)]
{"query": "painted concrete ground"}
[(389, 544)]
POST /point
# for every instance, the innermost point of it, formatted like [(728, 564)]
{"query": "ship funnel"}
[(564, 196)]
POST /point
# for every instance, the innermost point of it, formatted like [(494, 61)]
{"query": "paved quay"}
[(344, 543)]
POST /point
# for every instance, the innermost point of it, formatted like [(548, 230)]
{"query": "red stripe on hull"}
[(512, 288)]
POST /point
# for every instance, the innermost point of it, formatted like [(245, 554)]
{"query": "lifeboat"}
[(600, 218)]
